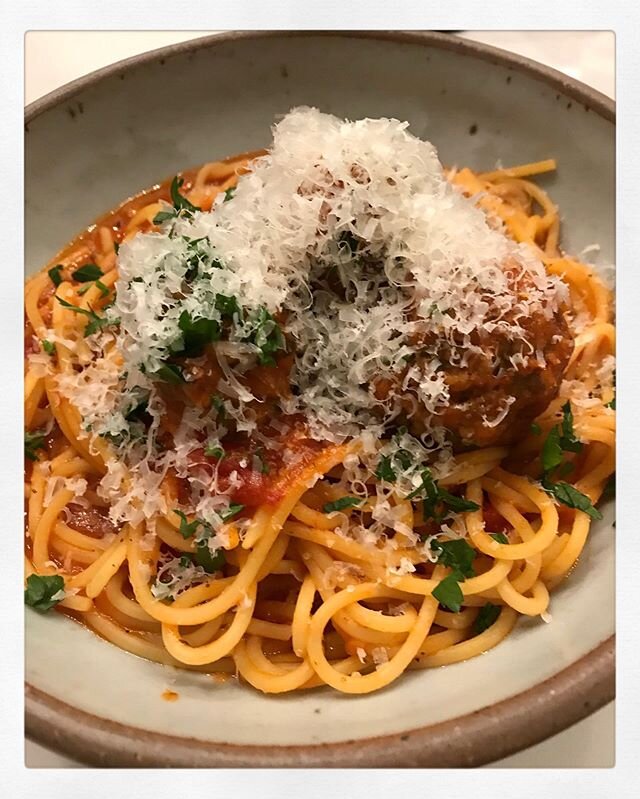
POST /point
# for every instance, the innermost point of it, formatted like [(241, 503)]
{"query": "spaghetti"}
[(272, 548)]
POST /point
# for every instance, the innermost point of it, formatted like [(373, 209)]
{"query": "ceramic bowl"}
[(103, 138)]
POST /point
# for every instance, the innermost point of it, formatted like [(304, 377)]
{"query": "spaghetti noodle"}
[(268, 542)]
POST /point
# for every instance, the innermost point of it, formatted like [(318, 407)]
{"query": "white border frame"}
[(618, 16)]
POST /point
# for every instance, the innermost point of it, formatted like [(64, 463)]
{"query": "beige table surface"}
[(53, 58)]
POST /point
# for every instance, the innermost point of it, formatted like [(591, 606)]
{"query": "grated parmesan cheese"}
[(352, 232)]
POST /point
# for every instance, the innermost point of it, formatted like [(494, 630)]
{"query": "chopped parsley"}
[(434, 497), (217, 403), (181, 205), (87, 273), (32, 443), (501, 538), (231, 511), (266, 335), (104, 291), (197, 333), (228, 306), (214, 451), (180, 202), (389, 465), (457, 555), (41, 590), (48, 346), (560, 439), (488, 615), (342, 504), (449, 594), (210, 562), (187, 529), (567, 495), (170, 373), (228, 195), (54, 274), (95, 322), (162, 216)]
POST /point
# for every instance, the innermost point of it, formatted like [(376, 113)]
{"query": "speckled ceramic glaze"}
[(105, 137)]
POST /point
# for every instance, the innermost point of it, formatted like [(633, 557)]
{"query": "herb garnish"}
[(32, 443), (342, 504), (488, 615), (40, 590), (449, 594), (458, 556), (266, 335), (433, 496), (501, 538), (96, 322), (214, 451), (48, 346), (170, 373), (54, 274), (87, 273), (561, 438)]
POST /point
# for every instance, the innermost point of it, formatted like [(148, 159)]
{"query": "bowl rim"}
[(473, 739)]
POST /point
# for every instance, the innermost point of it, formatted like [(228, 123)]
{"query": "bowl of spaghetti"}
[(320, 417)]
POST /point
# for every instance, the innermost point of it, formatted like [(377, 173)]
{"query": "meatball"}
[(500, 389)]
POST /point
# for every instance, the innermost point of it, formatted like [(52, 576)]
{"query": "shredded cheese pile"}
[(350, 235)]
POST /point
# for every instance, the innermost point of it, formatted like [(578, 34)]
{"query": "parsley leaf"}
[(385, 470), (170, 373), (187, 529), (54, 274), (228, 195), (231, 511), (568, 440), (457, 504), (95, 322), (488, 615), (196, 334), (87, 273), (40, 590), (611, 404), (48, 346), (210, 562), (162, 216), (217, 403), (501, 538), (568, 495), (457, 555), (32, 443), (551, 450), (266, 335), (180, 202), (228, 306), (104, 290), (214, 451), (435, 496), (342, 504), (449, 594)]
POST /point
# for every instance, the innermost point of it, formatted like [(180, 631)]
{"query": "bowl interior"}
[(143, 123)]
